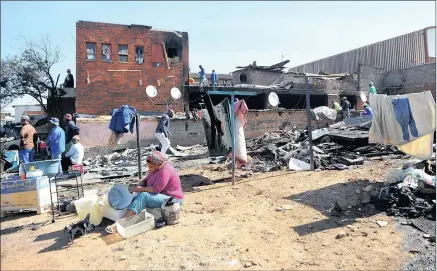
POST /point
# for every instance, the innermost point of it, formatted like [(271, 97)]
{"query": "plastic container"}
[(85, 206), (48, 167), (119, 197), (111, 213), (134, 225), (34, 173), (21, 172)]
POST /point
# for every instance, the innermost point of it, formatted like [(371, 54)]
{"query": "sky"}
[(222, 35)]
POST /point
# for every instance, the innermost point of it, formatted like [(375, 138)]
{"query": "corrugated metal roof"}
[(396, 53)]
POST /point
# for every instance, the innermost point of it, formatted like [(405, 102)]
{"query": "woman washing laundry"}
[(162, 183)]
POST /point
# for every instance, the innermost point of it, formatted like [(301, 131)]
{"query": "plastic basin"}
[(119, 197), (48, 167), (134, 225), (111, 213)]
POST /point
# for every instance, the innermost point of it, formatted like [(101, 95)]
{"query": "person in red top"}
[(161, 183)]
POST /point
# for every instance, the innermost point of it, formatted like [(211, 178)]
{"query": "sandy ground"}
[(225, 227)]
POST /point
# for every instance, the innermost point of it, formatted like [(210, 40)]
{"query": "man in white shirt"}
[(75, 155)]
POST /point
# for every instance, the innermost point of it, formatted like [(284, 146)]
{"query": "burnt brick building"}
[(115, 63)]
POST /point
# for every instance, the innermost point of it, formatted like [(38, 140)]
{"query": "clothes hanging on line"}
[(406, 121), (123, 120)]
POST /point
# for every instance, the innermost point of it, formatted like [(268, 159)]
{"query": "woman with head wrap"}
[(161, 183)]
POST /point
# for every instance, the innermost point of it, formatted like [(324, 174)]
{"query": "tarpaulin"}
[(323, 113)]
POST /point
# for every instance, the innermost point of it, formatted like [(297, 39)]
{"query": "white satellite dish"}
[(273, 99), (151, 91), (363, 96), (175, 93)]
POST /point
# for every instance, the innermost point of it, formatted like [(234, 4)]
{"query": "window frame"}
[(86, 51), (101, 55), (126, 55), (135, 52)]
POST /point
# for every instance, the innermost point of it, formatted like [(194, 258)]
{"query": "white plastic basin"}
[(134, 225)]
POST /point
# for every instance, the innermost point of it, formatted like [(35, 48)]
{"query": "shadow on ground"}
[(61, 241), (189, 181), (33, 226), (323, 200)]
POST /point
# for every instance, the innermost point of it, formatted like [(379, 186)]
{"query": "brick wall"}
[(367, 74), (95, 132), (415, 79), (108, 90), (258, 77)]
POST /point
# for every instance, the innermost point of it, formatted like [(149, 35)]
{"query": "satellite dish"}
[(175, 93), (273, 99), (363, 96), (151, 91)]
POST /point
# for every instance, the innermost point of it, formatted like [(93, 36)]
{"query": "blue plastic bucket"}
[(48, 167), (119, 197)]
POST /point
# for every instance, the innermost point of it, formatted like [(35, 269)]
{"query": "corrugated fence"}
[(397, 53)]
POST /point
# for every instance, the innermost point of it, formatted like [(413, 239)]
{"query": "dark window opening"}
[(173, 56), (139, 54), (298, 101), (352, 99)]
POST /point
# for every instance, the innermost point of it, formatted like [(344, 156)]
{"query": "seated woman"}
[(161, 183)]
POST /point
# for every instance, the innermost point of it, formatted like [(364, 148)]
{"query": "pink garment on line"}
[(166, 181), (241, 109)]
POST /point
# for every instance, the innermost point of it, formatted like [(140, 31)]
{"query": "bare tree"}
[(30, 73)]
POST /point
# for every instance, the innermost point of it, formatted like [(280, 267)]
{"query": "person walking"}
[(56, 141), (214, 78), (345, 107), (27, 144), (162, 131), (202, 76)]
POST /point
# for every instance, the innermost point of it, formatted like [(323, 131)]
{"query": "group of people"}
[(63, 145), (345, 106), (203, 80)]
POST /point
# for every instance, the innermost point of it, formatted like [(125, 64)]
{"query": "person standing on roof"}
[(71, 129), (162, 131), (345, 108), (56, 141), (27, 144), (202, 76), (69, 80), (372, 89), (214, 78)]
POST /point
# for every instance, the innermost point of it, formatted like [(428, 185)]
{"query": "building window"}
[(173, 56), (90, 51), (106, 52), (139, 54), (122, 53)]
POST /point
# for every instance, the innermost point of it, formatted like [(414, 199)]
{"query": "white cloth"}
[(240, 141), (165, 142), (386, 130), (76, 154)]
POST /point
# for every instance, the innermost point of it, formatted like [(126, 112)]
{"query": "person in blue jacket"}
[(367, 110), (214, 78), (56, 141)]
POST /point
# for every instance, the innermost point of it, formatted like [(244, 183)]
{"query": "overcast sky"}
[(223, 35)]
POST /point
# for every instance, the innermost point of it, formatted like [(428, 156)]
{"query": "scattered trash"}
[(382, 223), (287, 207), (83, 227), (122, 258), (341, 235), (233, 262)]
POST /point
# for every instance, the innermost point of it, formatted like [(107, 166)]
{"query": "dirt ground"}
[(225, 227)]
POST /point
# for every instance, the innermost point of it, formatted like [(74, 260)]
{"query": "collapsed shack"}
[(334, 148)]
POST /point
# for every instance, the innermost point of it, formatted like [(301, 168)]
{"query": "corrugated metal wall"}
[(397, 53)]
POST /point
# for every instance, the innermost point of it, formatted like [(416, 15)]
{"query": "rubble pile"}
[(337, 148)]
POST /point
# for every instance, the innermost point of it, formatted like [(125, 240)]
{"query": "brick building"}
[(115, 63)]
